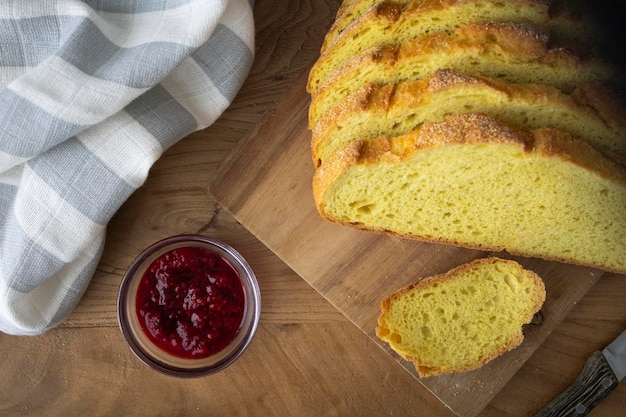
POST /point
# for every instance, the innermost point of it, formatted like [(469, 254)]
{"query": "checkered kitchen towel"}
[(91, 94)]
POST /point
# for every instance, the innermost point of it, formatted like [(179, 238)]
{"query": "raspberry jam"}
[(190, 302)]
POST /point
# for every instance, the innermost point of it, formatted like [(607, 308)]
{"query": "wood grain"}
[(307, 359)]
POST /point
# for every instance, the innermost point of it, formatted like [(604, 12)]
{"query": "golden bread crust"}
[(468, 128), (347, 14), (393, 109)]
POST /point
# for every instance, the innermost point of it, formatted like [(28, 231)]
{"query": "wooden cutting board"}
[(266, 185)]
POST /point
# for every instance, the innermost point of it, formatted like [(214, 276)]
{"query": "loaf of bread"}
[(467, 122), (395, 109), (460, 320), (473, 181), (510, 52)]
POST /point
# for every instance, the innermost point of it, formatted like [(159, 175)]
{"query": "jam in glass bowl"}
[(189, 305)]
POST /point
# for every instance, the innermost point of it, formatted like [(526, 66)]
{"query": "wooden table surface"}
[(306, 359)]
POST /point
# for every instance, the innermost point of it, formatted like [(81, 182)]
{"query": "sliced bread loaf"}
[(473, 181), (389, 23), (460, 320), (511, 52), (395, 109)]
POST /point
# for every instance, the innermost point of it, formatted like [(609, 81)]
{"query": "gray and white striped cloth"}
[(91, 94)]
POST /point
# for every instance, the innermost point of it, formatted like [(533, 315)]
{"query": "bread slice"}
[(390, 23), (460, 320), (511, 52), (395, 109), (475, 182), (571, 22)]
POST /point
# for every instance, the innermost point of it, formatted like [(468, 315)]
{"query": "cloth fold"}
[(91, 94)]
